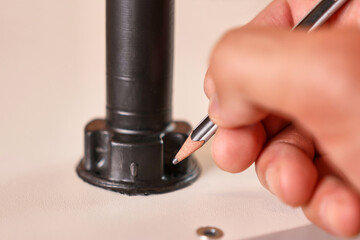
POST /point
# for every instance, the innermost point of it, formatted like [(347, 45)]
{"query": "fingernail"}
[(272, 178), (214, 109)]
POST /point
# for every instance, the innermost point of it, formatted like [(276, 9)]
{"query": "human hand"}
[(290, 102)]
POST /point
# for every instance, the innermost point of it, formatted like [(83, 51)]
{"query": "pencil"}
[(206, 128)]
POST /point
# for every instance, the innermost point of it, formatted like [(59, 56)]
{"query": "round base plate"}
[(166, 184)]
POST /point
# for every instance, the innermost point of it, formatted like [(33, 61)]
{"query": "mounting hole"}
[(209, 233)]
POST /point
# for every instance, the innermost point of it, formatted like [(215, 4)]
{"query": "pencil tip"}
[(175, 161)]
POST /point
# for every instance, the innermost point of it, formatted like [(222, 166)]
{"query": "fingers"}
[(321, 94), (308, 77), (334, 207), (274, 124), (326, 167), (285, 167), (234, 150)]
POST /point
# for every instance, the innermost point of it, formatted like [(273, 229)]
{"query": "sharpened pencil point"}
[(175, 161)]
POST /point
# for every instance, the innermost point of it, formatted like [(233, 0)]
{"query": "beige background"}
[(52, 70), (52, 75)]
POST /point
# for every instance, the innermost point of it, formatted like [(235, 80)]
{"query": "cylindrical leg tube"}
[(132, 150), (139, 56)]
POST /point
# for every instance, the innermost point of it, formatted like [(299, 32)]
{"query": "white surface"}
[(52, 82), (54, 203), (301, 233)]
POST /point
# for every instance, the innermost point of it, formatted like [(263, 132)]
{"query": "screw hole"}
[(209, 233)]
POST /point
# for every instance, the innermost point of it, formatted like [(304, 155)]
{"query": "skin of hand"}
[(290, 102)]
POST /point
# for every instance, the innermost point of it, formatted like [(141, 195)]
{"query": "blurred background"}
[(52, 71)]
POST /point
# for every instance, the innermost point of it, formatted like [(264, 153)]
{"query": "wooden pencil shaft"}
[(188, 148)]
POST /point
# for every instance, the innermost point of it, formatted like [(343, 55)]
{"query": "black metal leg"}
[(131, 151)]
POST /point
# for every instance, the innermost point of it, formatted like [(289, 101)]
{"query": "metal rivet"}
[(209, 233)]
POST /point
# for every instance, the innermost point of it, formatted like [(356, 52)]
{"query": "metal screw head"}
[(209, 233)]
